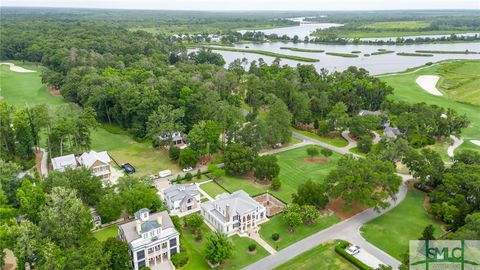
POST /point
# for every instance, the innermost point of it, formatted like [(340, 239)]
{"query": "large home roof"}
[(87, 159), (59, 163), (240, 203), (180, 191), (391, 132), (130, 230), (367, 112)]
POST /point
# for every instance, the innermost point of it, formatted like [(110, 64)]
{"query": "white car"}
[(187, 169), (352, 250)]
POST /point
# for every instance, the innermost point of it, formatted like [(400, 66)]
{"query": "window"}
[(152, 233), (141, 264), (173, 251), (164, 245), (173, 242), (140, 255)]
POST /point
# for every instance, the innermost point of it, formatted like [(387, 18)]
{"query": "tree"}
[(116, 255), (215, 171), (293, 216), (218, 248), (426, 165), (188, 158), (32, 200), (64, 219), (467, 157), (27, 243), (427, 233), (312, 151), (338, 118), (238, 159), (194, 222), (278, 122), (253, 135), (266, 168), (23, 135), (276, 183), (206, 56), (204, 136), (326, 152), (310, 214), (110, 206), (163, 122), (363, 125), (369, 181), (311, 193), (365, 143), (470, 230), (139, 195), (174, 153)]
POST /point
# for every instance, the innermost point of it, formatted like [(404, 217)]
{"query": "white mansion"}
[(229, 213), (152, 239)]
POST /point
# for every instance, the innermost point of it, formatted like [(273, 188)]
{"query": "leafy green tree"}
[(276, 183), (110, 206), (310, 214), (204, 137), (188, 158), (470, 230), (64, 219), (116, 254), (163, 122), (32, 199), (7, 132), (174, 153), (363, 125), (27, 243), (427, 233), (311, 193), (369, 181), (300, 107), (238, 159), (23, 135), (206, 56), (266, 167), (293, 216), (338, 118), (426, 165), (218, 248), (278, 120), (86, 256), (326, 152), (312, 151), (215, 171), (9, 181), (467, 157), (194, 222), (365, 143), (138, 196), (253, 135)]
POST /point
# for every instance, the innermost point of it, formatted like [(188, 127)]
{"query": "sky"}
[(251, 4)]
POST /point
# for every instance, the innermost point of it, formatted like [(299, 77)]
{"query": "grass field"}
[(104, 234), (392, 231), (241, 257), (351, 55), (19, 89), (212, 189), (267, 53), (397, 25), (406, 89), (320, 257), (461, 81), (278, 225), (294, 171), (301, 50), (338, 141)]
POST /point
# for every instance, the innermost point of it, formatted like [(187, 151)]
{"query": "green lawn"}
[(241, 257), (294, 171), (397, 25), (26, 88), (338, 141), (321, 257), (105, 233), (277, 224), (406, 89), (392, 231), (460, 81), (212, 189)]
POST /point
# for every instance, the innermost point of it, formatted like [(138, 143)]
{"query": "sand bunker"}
[(16, 68), (476, 142), (428, 83)]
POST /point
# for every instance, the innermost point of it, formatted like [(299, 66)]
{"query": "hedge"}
[(340, 249)]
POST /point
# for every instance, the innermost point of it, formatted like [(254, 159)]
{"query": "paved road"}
[(351, 142), (456, 143), (43, 163), (340, 150)]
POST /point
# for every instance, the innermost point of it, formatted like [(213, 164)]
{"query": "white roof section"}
[(63, 162), (180, 191), (240, 203), (87, 159)]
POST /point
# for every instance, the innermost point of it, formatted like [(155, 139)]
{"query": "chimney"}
[(227, 212), (159, 220), (138, 226)]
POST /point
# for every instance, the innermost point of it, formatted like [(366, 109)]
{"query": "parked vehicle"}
[(277, 145), (128, 168), (187, 169), (352, 250), (165, 173)]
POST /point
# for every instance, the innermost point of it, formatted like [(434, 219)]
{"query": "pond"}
[(375, 64)]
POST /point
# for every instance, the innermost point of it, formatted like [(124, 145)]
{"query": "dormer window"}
[(144, 216)]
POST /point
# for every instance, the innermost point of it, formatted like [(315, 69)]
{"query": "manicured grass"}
[(460, 81), (278, 225), (379, 52), (342, 54), (301, 50), (19, 89), (267, 53), (196, 250), (406, 89), (392, 231), (294, 171), (212, 189), (414, 54), (320, 257), (105, 233), (337, 141)]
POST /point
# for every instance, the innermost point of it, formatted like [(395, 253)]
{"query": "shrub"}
[(174, 153), (252, 247), (340, 249), (188, 176), (178, 179), (199, 236), (276, 183), (275, 236), (326, 152), (180, 259), (199, 174)]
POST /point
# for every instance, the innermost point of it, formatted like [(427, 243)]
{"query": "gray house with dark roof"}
[(181, 198), (152, 239)]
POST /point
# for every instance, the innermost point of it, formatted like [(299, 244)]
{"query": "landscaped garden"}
[(105, 233), (336, 141), (278, 225), (212, 189), (320, 257), (392, 231)]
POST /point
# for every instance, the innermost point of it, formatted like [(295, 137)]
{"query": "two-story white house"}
[(182, 198), (229, 213), (97, 162), (152, 239)]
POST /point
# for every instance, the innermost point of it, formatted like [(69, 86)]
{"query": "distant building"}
[(229, 213), (64, 162), (97, 162), (152, 239), (391, 132), (182, 198), (367, 112), (176, 137)]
